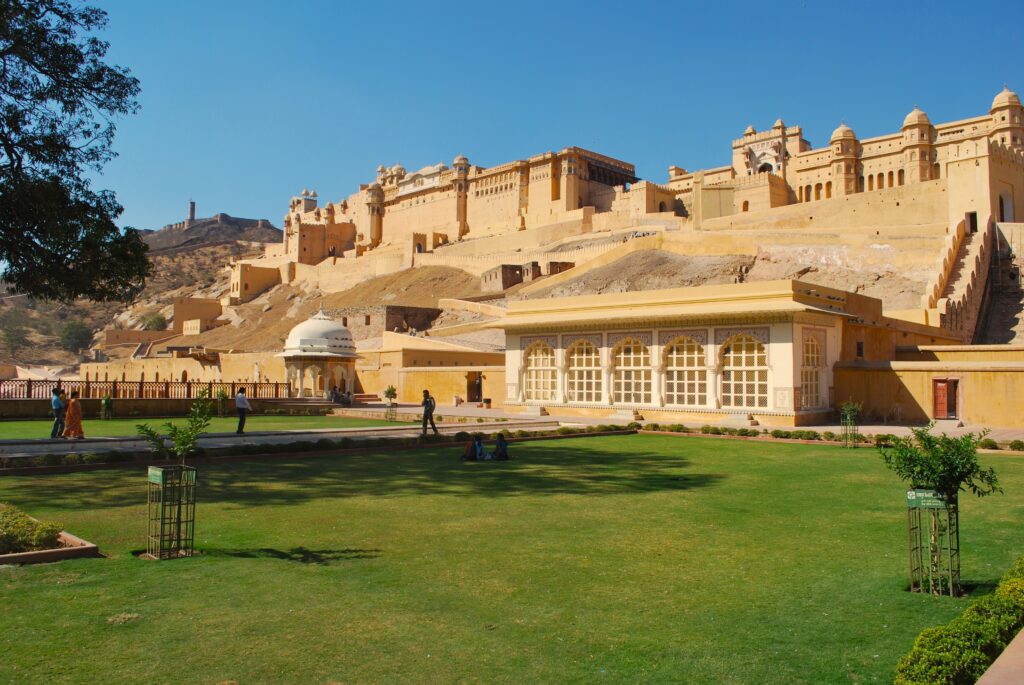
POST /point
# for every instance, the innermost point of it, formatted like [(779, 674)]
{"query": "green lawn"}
[(614, 559), (95, 428)]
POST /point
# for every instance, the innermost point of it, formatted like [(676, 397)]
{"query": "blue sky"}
[(246, 103)]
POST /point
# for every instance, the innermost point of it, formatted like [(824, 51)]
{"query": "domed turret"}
[(844, 132), (319, 336), (1006, 98), (916, 118), (461, 160), (749, 130), (778, 124)]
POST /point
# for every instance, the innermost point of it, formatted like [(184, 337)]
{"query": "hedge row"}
[(963, 649), (19, 532)]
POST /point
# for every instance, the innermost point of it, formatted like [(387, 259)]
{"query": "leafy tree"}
[(942, 463), (15, 338), (58, 100), (74, 336), (154, 322)]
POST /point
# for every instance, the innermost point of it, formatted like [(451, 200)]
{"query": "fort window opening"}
[(583, 379), (631, 380), (765, 168), (810, 374), (746, 206), (744, 373), (685, 375), (540, 375)]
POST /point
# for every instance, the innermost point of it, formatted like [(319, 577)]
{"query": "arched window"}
[(685, 375), (828, 190), (540, 373), (661, 206), (744, 373), (935, 170), (881, 181), (871, 182), (900, 177), (184, 376), (889, 179), (746, 205), (631, 379), (810, 374), (817, 191), (800, 194), (583, 377)]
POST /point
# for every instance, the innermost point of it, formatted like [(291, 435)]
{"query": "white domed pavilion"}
[(319, 354)]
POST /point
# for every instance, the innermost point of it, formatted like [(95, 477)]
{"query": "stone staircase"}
[(956, 284)]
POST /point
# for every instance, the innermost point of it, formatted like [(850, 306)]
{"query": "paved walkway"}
[(27, 448)]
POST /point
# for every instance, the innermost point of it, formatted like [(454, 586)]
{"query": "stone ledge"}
[(74, 548)]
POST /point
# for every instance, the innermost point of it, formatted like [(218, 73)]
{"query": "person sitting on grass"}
[(474, 450), (501, 448)]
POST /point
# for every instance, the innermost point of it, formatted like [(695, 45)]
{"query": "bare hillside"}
[(264, 323), (656, 269)]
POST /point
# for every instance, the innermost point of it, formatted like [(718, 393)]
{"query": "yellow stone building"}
[(935, 200)]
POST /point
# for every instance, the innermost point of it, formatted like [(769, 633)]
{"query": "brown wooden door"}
[(940, 399)]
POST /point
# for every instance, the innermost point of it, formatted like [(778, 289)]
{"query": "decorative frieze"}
[(643, 338), (758, 333), (699, 335), (570, 338), (527, 340)]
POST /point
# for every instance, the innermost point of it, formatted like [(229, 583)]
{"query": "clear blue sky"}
[(246, 103)]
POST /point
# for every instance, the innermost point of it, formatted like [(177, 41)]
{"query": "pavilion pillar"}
[(561, 381), (714, 397), (606, 384), (658, 385), (302, 381)]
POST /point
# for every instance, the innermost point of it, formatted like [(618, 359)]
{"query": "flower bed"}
[(25, 540)]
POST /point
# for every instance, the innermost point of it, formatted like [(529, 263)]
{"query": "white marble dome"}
[(319, 336)]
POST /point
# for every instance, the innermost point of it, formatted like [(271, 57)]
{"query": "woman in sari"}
[(73, 418)]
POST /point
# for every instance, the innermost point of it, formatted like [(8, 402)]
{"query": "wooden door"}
[(940, 399)]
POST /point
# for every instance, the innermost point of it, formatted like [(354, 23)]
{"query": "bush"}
[(1017, 445), (963, 649), (829, 435), (19, 532), (988, 444), (463, 436), (705, 429), (633, 426), (652, 427), (885, 440), (325, 444), (779, 433), (46, 460), (519, 434), (715, 430)]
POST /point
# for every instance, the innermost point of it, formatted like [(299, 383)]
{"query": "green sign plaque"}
[(156, 475), (926, 499)]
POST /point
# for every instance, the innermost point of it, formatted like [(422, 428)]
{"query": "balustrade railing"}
[(17, 389)]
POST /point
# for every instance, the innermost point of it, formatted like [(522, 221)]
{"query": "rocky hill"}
[(214, 229)]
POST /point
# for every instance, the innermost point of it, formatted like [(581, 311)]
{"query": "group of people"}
[(475, 450), (339, 397), (67, 416)]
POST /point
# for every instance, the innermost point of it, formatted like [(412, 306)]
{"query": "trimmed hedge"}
[(19, 532), (959, 652)]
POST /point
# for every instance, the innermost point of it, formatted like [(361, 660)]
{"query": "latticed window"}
[(744, 373), (583, 378), (685, 375), (540, 377), (810, 374), (631, 380)]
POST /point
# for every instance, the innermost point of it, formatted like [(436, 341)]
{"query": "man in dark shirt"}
[(428, 405)]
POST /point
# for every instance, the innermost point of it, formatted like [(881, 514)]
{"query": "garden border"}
[(74, 548)]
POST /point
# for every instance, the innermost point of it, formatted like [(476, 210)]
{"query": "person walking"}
[(243, 407), (58, 415), (73, 418), (428, 404)]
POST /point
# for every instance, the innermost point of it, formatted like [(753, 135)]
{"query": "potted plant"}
[(390, 393)]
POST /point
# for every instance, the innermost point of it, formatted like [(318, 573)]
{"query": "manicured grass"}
[(95, 428), (614, 559)]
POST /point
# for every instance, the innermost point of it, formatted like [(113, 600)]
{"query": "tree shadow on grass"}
[(559, 467), (299, 554)]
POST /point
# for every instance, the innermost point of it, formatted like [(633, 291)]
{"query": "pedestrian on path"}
[(243, 407), (58, 415), (428, 404), (73, 418)]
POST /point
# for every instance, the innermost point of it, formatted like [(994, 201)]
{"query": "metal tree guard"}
[(172, 511), (933, 526)]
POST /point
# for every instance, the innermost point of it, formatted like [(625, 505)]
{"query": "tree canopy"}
[(940, 462), (58, 101)]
